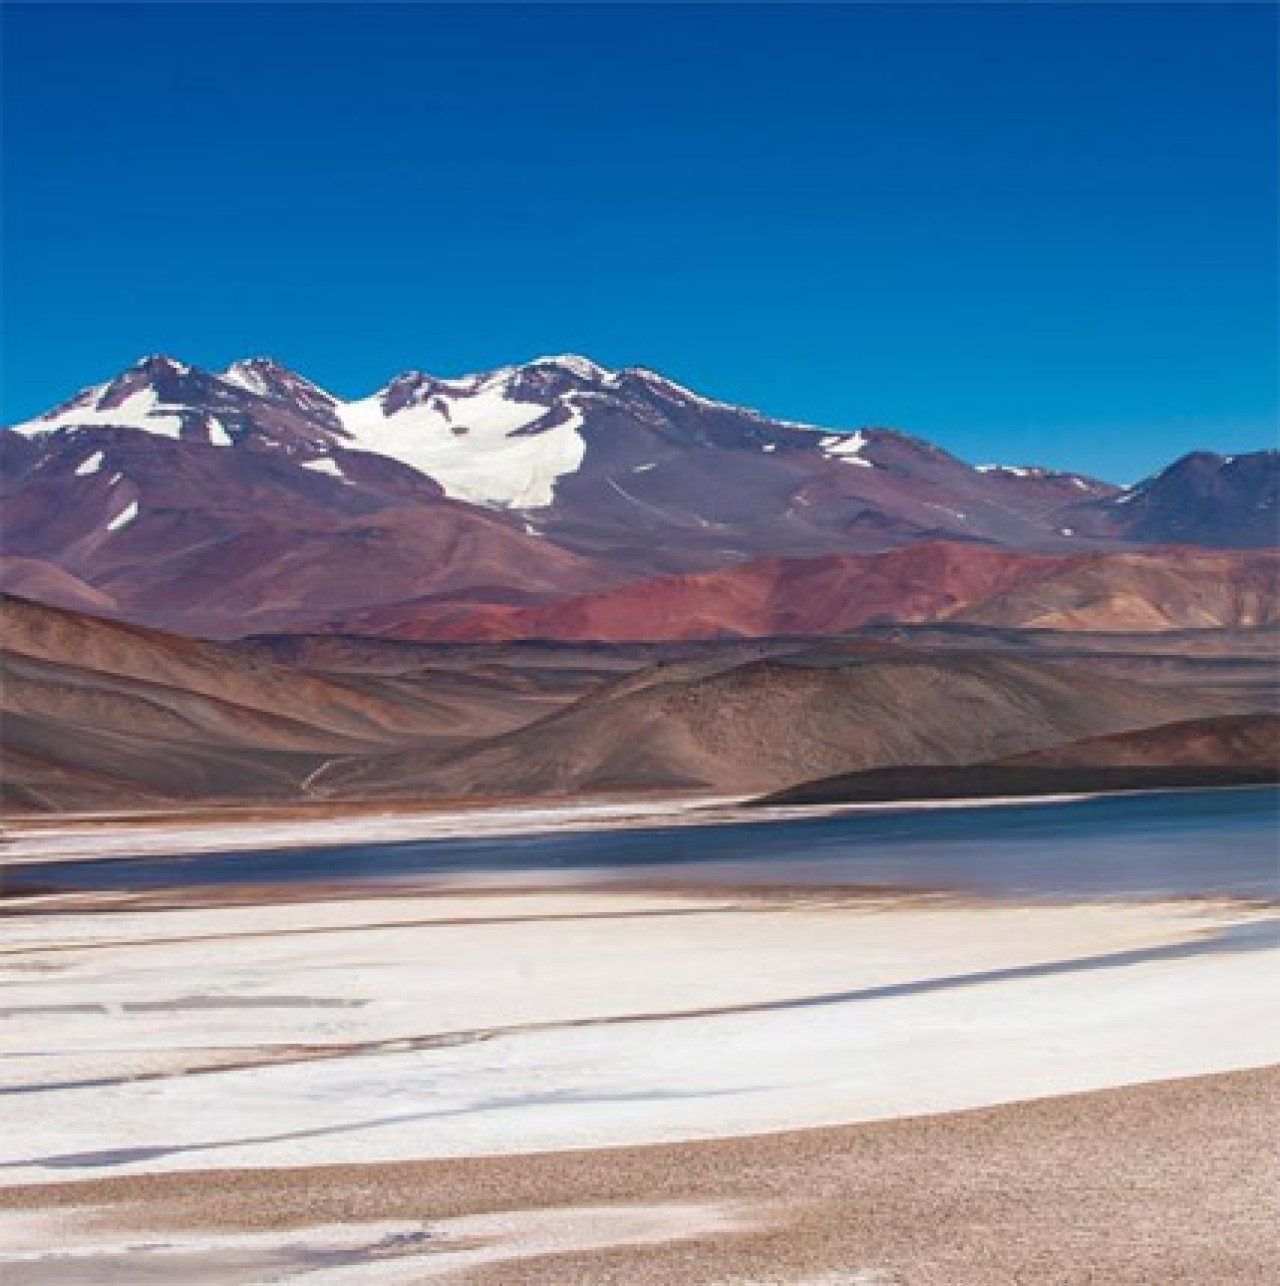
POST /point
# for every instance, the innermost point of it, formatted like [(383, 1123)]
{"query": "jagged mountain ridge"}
[(252, 499)]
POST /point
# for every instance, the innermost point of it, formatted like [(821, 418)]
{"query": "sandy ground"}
[(1154, 1185), (498, 1057)]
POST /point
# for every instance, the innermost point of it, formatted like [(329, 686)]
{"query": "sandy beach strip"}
[(1151, 1185)]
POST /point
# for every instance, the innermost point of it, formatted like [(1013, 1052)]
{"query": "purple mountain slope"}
[(252, 499)]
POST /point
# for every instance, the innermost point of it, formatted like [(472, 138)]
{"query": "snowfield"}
[(141, 410), (471, 444)]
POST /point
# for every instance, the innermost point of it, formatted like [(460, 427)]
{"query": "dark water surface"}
[(1154, 845)]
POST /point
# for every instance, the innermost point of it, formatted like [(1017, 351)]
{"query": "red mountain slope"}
[(1150, 590)]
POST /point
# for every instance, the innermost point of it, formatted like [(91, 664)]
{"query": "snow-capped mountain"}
[(252, 498), (511, 438)]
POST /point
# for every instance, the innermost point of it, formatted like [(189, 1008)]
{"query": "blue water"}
[(1181, 844)]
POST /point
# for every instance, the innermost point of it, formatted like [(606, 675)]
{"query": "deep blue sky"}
[(1028, 233)]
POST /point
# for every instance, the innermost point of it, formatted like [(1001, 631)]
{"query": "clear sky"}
[(1031, 233)]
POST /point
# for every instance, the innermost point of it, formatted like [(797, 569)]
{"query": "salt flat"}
[(42, 1249), (432, 1025), (354, 1085)]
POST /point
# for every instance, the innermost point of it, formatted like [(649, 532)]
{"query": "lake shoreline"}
[(28, 841)]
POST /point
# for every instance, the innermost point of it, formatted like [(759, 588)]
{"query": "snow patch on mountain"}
[(1036, 472), (89, 466), (847, 448), (481, 446), (124, 517), (327, 465), (141, 410)]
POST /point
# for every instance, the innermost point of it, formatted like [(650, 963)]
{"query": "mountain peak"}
[(584, 368), (161, 363), (156, 376), (261, 365), (266, 377), (154, 368)]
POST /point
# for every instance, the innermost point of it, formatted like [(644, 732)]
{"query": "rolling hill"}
[(781, 720)]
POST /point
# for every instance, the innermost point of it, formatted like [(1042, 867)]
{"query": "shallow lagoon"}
[(1156, 845)]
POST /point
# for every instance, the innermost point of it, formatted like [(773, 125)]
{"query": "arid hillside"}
[(1142, 591), (101, 715), (781, 720), (1245, 741), (1228, 750)]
